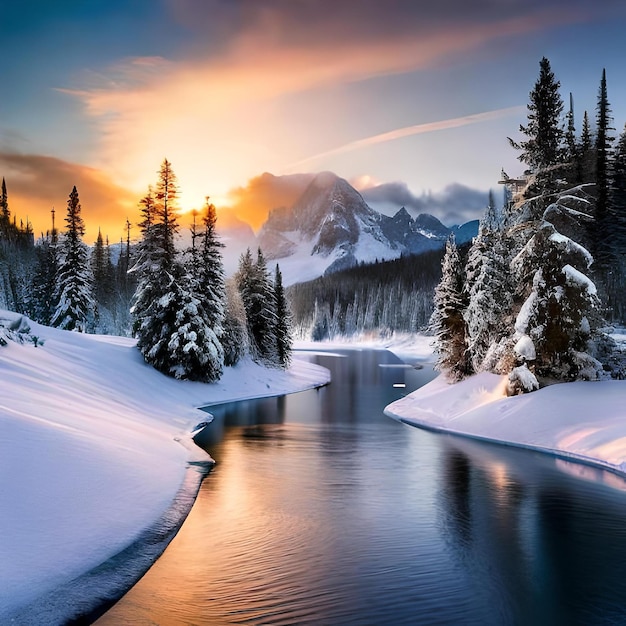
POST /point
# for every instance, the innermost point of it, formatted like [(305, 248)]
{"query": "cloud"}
[(261, 194), (417, 129), (36, 184), (455, 204), (324, 22), (212, 110)]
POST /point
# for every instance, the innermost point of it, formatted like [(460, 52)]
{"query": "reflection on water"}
[(322, 511)]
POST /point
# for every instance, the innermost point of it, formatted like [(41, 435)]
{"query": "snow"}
[(523, 317), (523, 378), (369, 248), (575, 278), (574, 199), (302, 266), (570, 246), (584, 421), (406, 346), (525, 348), (95, 446)]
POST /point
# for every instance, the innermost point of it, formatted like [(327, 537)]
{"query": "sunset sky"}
[(403, 95)]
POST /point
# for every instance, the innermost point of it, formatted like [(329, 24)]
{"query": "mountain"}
[(331, 227)]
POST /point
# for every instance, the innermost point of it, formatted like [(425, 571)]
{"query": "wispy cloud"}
[(214, 111), (407, 131)]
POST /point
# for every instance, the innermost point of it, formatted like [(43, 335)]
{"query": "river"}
[(321, 510)]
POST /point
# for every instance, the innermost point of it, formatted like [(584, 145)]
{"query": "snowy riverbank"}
[(95, 446), (585, 421), (411, 348)]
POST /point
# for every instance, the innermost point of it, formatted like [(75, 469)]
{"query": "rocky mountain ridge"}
[(331, 227)]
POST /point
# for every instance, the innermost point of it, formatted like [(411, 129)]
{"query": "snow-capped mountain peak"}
[(331, 227)]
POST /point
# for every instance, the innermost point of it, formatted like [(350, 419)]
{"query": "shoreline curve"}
[(87, 597)]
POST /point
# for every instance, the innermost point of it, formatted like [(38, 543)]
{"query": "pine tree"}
[(124, 281), (618, 196), (283, 322), (617, 203), (586, 169), (146, 264), (211, 271), (488, 288), (571, 156), (188, 347), (157, 270), (257, 294), (447, 321), (205, 285), (235, 336), (166, 223), (560, 316), (74, 308), (542, 151), (171, 321), (5, 214), (603, 149), (101, 271), (44, 281)]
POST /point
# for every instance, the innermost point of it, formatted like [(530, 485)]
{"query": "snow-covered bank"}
[(585, 421), (406, 346), (91, 450)]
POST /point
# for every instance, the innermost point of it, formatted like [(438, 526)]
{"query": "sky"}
[(410, 101)]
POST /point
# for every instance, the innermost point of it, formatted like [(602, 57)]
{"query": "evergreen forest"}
[(382, 298), (533, 296), (188, 319)]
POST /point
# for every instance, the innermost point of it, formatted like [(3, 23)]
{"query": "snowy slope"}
[(95, 444), (585, 421)]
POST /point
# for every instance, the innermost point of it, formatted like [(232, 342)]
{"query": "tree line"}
[(385, 297), (189, 320), (531, 296)]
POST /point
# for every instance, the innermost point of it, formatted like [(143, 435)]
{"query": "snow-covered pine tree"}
[(257, 295), (447, 321), (235, 337), (488, 288), (17, 259), (146, 263), (74, 304), (170, 319), (102, 271), (283, 322), (322, 321), (560, 319), (203, 297), (542, 151), (211, 271), (193, 349), (166, 223), (155, 267), (43, 305), (125, 281)]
